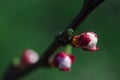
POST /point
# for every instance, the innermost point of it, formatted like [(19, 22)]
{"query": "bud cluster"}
[(63, 60), (86, 41)]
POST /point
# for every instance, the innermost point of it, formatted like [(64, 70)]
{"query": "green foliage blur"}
[(34, 24)]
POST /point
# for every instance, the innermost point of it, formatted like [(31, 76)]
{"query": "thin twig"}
[(88, 7)]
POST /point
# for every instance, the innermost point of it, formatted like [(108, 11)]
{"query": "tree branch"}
[(88, 6)]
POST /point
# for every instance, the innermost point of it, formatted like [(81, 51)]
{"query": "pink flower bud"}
[(29, 57), (63, 61), (87, 41)]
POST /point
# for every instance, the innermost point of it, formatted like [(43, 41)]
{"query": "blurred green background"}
[(34, 23)]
